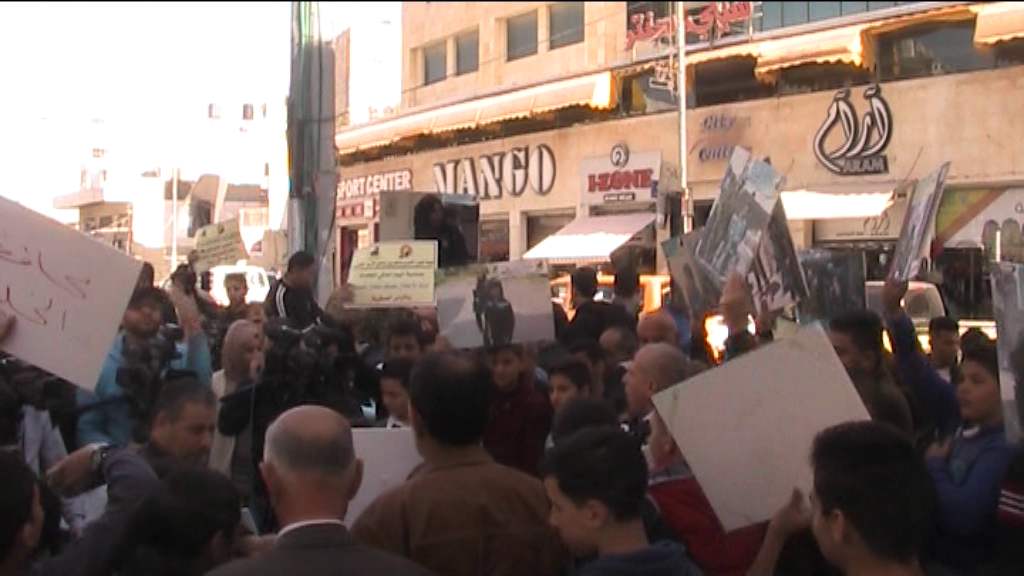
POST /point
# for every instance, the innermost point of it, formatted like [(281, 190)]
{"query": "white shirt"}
[(394, 423), (304, 523)]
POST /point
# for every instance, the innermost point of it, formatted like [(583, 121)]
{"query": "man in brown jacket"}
[(460, 513)]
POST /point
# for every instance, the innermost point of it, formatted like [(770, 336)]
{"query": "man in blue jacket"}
[(112, 419)]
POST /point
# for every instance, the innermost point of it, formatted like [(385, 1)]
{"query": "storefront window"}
[(494, 244), (965, 288), (820, 77), (540, 226), (774, 15), (931, 50), (731, 80), (467, 52)]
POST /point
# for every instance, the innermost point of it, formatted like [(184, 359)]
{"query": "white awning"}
[(596, 91), (590, 239), (826, 203), (998, 22)]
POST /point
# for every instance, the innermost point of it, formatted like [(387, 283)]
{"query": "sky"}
[(144, 69)]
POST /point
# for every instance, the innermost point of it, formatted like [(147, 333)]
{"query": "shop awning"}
[(590, 239), (998, 21), (826, 203), (839, 45), (593, 90)]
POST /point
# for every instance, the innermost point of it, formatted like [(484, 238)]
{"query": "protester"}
[(657, 327), (593, 317), (460, 513), (405, 340), (237, 288), (626, 289), (115, 415), (432, 222), (620, 345), (657, 366), (871, 508), (590, 353), (687, 511), (596, 481), (242, 362), (857, 339), (188, 526), (944, 337), (569, 380), (968, 467), (147, 276), (520, 414), (579, 413), (312, 473), (394, 391), (292, 297)]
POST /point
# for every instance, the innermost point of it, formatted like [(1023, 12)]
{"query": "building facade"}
[(843, 99)]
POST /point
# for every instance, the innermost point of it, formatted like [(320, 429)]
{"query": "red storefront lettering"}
[(620, 180)]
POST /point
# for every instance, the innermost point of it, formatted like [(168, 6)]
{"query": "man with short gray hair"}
[(312, 473)]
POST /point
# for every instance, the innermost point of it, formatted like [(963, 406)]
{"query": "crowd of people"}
[(226, 447)]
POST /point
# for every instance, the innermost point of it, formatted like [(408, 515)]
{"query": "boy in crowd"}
[(568, 380), (405, 340), (520, 414), (596, 480), (394, 391), (944, 337), (871, 507)]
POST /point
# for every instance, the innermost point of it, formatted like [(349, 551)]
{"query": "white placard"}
[(68, 292), (746, 428), (389, 455)]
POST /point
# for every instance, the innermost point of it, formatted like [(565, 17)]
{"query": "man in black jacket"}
[(292, 297), (592, 317)]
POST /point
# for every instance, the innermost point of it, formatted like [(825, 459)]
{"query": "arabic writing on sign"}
[(43, 310), (713, 22)]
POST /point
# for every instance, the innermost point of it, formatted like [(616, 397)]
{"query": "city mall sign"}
[(492, 176), (621, 176)]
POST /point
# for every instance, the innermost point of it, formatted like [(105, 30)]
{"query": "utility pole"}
[(174, 218), (686, 200)]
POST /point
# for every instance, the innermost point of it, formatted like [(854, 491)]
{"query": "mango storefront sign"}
[(506, 173)]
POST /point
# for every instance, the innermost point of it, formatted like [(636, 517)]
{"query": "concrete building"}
[(568, 111)]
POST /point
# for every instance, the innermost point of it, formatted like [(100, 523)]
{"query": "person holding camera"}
[(117, 411)]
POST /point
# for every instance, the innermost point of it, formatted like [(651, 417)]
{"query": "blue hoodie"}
[(662, 559)]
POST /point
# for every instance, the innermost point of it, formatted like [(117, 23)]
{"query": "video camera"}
[(141, 374), (22, 385)]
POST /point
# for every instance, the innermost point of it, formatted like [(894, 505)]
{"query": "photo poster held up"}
[(739, 218), (67, 291), (1008, 309), (389, 456), (487, 305), (701, 294), (776, 278), (452, 220), (762, 437), (918, 225), (835, 284)]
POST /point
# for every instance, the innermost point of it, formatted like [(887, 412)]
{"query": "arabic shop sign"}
[(708, 24), (360, 186), (862, 143), (620, 176), (493, 176)]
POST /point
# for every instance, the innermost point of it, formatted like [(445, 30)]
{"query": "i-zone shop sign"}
[(621, 176)]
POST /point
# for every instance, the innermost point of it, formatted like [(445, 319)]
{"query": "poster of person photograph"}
[(1008, 309), (918, 225), (835, 284), (701, 294), (452, 220), (776, 277), (739, 218), (489, 305)]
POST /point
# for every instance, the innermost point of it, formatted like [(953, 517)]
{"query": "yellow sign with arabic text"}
[(394, 275)]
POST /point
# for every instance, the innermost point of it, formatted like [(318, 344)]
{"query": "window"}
[(565, 24), (467, 52), (539, 227), (774, 15), (728, 81), (931, 50), (435, 63), (522, 36), (494, 241)]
